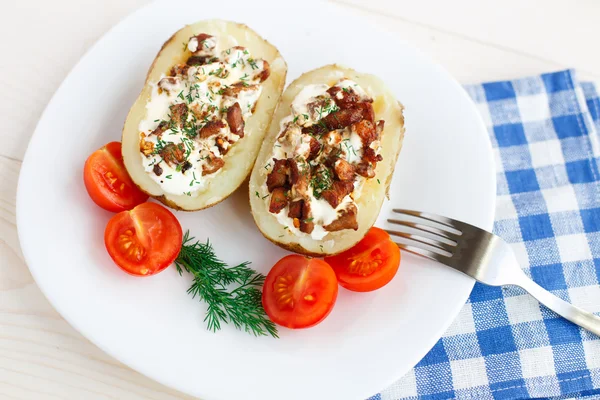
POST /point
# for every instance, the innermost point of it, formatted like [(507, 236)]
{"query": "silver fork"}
[(480, 255)]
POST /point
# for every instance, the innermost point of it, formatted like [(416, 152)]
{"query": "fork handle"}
[(576, 315)]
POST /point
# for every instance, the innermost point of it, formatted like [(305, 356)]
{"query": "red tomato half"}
[(369, 265), (299, 292), (107, 181), (145, 240)]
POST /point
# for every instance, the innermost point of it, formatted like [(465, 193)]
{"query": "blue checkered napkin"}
[(503, 344)]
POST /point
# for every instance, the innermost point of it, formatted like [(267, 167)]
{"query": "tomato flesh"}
[(369, 265), (145, 240), (107, 181), (299, 292)]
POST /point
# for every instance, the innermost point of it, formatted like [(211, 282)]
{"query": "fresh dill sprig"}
[(213, 281)]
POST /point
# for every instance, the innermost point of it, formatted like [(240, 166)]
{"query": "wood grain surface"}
[(41, 355)]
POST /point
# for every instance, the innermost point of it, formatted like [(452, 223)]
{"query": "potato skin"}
[(239, 160), (373, 194)]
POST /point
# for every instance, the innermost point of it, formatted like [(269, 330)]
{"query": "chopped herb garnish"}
[(212, 284), (378, 181), (169, 176), (180, 95), (321, 181), (257, 195), (252, 63)]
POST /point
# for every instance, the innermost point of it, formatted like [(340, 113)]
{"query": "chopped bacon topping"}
[(266, 72), (346, 220), (211, 128), (235, 120), (179, 113), (366, 131), (306, 222), (162, 126), (344, 170), (343, 97), (279, 175), (278, 200), (338, 190), (213, 164), (173, 154)]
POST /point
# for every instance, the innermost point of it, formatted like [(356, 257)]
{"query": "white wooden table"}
[(41, 356)]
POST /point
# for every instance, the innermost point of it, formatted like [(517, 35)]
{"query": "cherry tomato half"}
[(107, 181), (145, 240), (299, 292), (369, 265)]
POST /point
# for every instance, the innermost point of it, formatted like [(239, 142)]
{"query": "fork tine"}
[(426, 241), (450, 223), (425, 228), (423, 253)]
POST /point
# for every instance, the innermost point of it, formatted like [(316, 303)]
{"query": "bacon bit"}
[(265, 73), (365, 169), (167, 83), (343, 98), (315, 148), (163, 126), (346, 220), (213, 164), (201, 45), (298, 178), (338, 190), (185, 166), (366, 131), (367, 111), (146, 148), (173, 154), (197, 61), (306, 223), (211, 128), (157, 170), (370, 156), (220, 142), (278, 200), (295, 210), (296, 223), (179, 113), (279, 175), (179, 70), (344, 170), (235, 120), (336, 120), (379, 127), (235, 89)]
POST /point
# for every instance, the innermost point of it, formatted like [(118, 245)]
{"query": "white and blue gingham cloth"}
[(504, 344)]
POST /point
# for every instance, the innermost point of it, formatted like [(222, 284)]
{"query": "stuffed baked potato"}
[(327, 161), (192, 136)]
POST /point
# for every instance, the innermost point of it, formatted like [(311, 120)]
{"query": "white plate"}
[(152, 325)]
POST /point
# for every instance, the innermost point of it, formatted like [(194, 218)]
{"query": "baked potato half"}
[(326, 164), (192, 135)]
